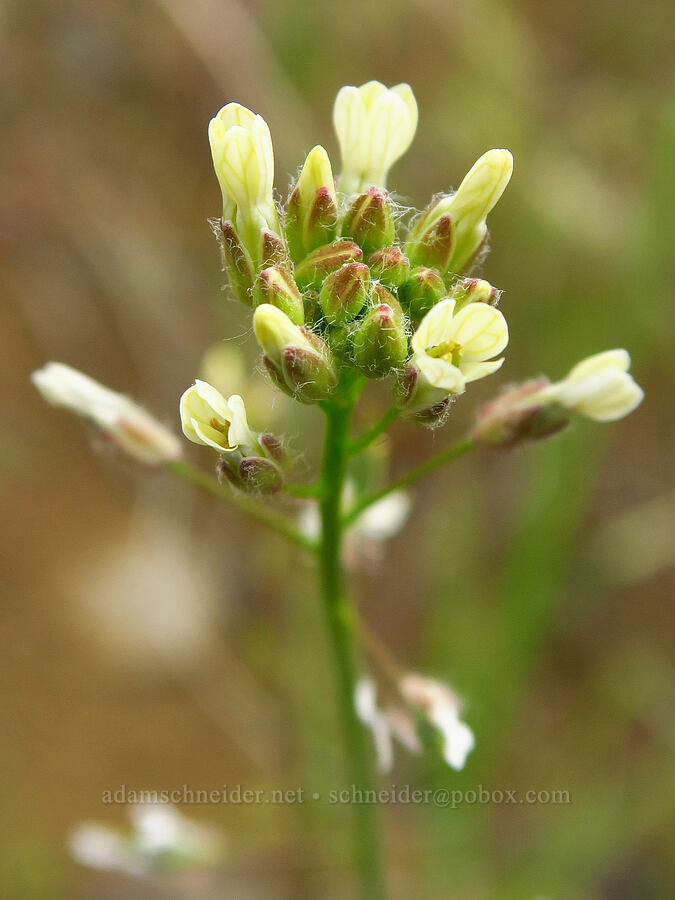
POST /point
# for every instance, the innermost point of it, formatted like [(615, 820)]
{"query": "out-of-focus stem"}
[(409, 478)]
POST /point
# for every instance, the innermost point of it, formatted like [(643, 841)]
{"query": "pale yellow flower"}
[(451, 347), (599, 387), (375, 125), (275, 332), (243, 159), (208, 418)]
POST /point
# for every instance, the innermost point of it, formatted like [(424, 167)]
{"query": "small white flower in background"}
[(365, 703), (598, 387), (128, 425), (243, 159), (456, 348), (434, 700), (99, 847), (443, 708), (380, 522), (375, 125), (208, 418), (162, 839)]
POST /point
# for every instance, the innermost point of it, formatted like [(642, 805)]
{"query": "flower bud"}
[(128, 426), (370, 221), (420, 291), (389, 265), (425, 387), (277, 287), (375, 125), (451, 232), (236, 260), (344, 293), (513, 416), (311, 215), (474, 290), (299, 362), (243, 160), (311, 272), (380, 343), (260, 476)]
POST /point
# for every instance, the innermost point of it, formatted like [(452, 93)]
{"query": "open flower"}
[(208, 418), (129, 426), (599, 387), (243, 159), (375, 125), (467, 340)]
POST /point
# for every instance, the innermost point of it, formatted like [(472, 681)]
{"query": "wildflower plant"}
[(344, 289)]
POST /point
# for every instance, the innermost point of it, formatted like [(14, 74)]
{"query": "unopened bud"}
[(370, 220), (311, 272), (274, 448), (389, 265), (380, 343), (515, 416), (236, 260), (299, 361), (344, 293), (273, 251), (277, 287), (425, 388), (450, 233), (474, 290), (420, 291), (311, 216), (432, 238), (253, 474)]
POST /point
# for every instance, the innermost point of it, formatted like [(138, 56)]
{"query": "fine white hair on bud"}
[(130, 427), (599, 387), (243, 160), (375, 125), (208, 418)]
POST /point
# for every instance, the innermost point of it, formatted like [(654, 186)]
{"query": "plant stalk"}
[(341, 623)]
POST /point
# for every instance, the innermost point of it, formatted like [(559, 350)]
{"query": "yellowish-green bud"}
[(380, 343), (389, 265), (311, 272), (277, 287), (474, 290), (311, 215), (299, 362), (344, 293), (370, 221), (420, 291)]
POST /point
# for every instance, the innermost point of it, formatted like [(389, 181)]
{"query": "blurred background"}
[(154, 639)]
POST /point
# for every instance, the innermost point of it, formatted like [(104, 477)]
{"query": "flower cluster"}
[(334, 283)]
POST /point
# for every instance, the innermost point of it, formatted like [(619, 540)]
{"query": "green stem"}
[(360, 443), (410, 478), (262, 514), (341, 626)]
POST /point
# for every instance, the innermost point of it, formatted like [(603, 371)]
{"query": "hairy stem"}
[(409, 478), (262, 514), (341, 626)]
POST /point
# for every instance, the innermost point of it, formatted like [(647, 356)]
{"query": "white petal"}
[(472, 371), (480, 330), (608, 359), (435, 328)]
